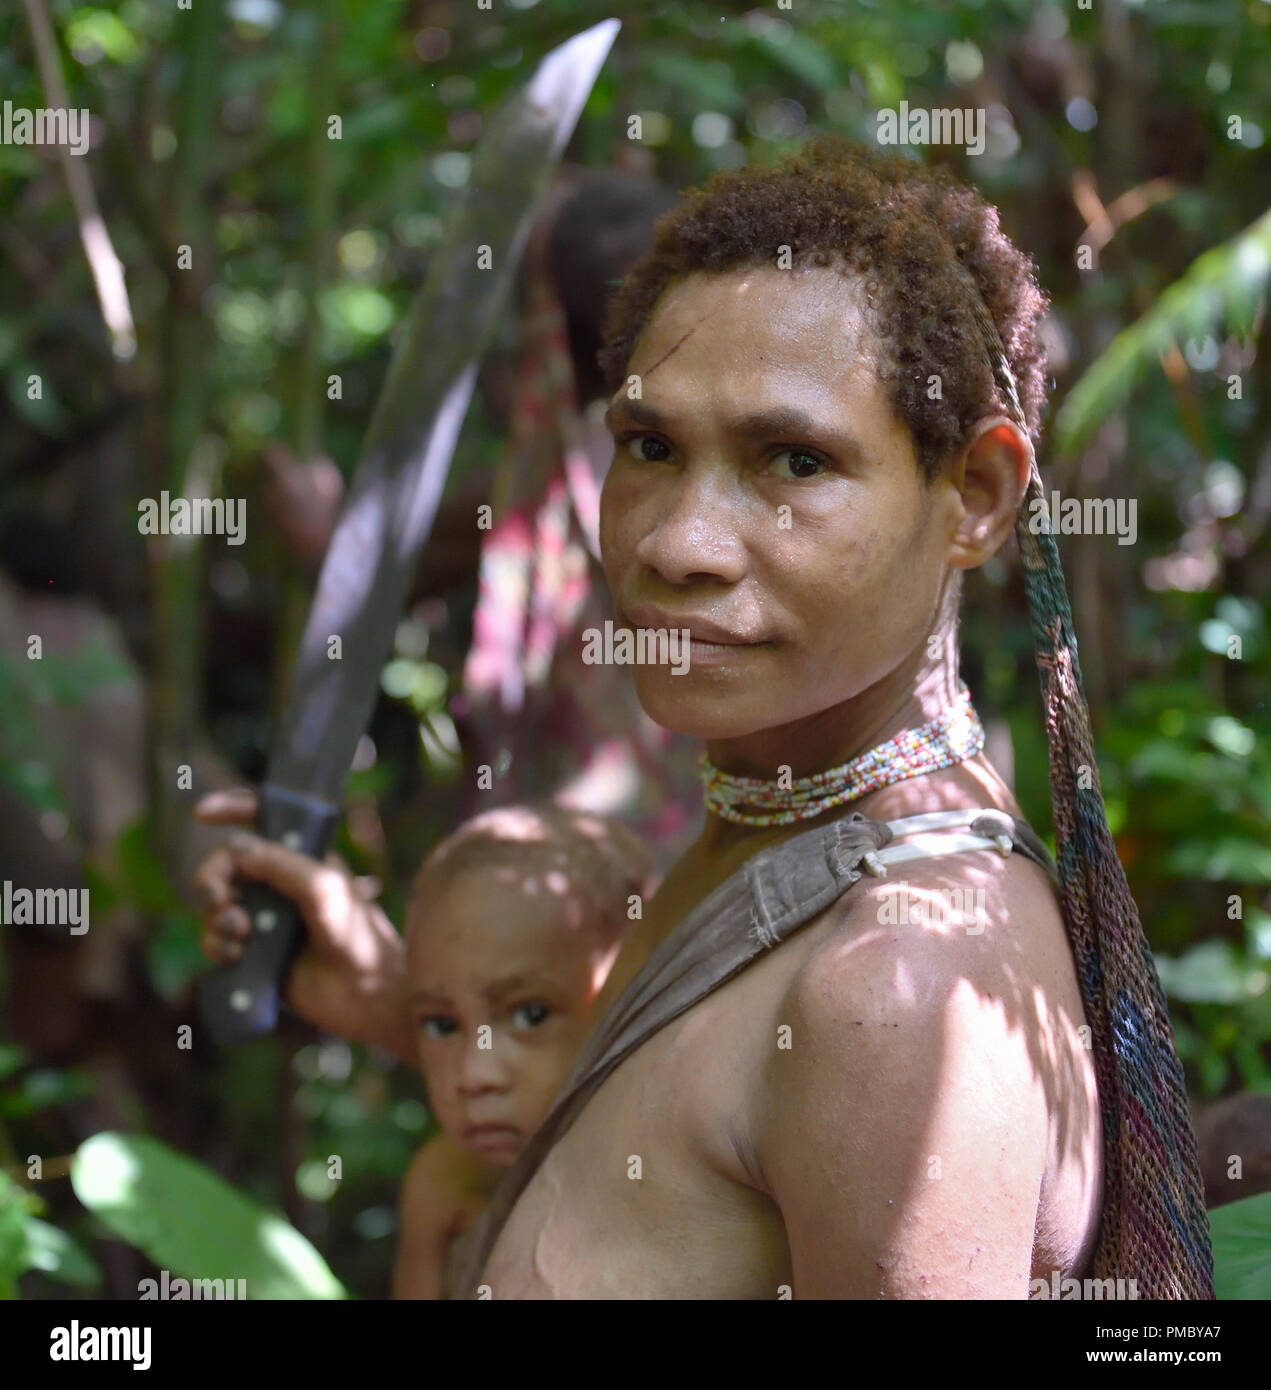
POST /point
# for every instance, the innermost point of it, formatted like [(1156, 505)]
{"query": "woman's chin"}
[(709, 714)]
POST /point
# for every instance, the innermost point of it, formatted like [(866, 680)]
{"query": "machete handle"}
[(239, 1002)]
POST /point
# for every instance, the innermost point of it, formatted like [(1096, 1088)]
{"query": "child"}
[(512, 926)]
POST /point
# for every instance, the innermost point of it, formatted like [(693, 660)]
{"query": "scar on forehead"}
[(680, 343)]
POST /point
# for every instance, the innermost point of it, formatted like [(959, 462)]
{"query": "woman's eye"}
[(802, 464), (646, 448), (530, 1015), (437, 1025)]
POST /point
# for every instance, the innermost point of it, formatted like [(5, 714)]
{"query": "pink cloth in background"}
[(572, 731)]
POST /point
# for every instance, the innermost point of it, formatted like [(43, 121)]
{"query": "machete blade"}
[(390, 509), (391, 505)]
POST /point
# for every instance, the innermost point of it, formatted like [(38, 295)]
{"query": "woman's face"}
[(764, 493)]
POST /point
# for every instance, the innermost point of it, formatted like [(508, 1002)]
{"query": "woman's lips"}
[(701, 653), (702, 631)]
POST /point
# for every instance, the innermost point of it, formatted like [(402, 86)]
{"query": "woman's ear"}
[(990, 475)]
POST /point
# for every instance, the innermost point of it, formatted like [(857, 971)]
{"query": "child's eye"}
[(648, 448), (438, 1025), (530, 1015), (800, 459)]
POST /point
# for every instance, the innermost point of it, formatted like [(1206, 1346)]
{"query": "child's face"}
[(485, 954)]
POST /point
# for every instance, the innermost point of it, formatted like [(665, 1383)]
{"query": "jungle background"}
[(1137, 130)]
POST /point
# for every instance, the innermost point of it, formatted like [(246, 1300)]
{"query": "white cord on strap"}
[(936, 820), (932, 846)]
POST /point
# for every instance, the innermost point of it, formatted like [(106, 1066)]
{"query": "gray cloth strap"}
[(772, 895)]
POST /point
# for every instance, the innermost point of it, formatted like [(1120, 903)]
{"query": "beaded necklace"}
[(951, 738)]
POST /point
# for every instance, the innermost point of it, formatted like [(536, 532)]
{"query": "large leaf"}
[(1240, 1233), (193, 1223), (1222, 286)]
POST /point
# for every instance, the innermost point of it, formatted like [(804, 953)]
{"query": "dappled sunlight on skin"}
[(514, 823), (993, 975), (492, 840), (827, 582), (987, 1076), (500, 951), (974, 782), (827, 585), (697, 534), (554, 883), (513, 925)]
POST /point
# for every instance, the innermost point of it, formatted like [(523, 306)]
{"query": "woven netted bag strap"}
[(1154, 1227)]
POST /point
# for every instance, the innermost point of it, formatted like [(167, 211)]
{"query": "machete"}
[(391, 505)]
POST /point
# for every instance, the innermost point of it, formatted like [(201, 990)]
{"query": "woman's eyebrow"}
[(635, 411), (789, 423), (782, 422)]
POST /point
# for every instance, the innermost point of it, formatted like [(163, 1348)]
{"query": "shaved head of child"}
[(512, 926)]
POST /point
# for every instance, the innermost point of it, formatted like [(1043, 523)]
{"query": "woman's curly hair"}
[(924, 243)]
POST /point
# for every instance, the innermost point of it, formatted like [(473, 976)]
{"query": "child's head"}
[(512, 926)]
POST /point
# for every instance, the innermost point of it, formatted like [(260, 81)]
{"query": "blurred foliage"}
[(134, 879), (27, 1242), (192, 1223), (1241, 1235), (1223, 291), (29, 691), (1118, 120)]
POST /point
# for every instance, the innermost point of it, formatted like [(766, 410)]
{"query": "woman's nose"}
[(696, 529)]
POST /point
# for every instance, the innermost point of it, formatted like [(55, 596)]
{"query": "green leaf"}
[(360, 311), (1231, 736), (1225, 859), (173, 955), (15, 1216), (143, 882), (53, 1252), (1240, 1233), (1258, 933), (1213, 973), (422, 683), (1223, 285), (710, 82), (26, 1242), (97, 30), (39, 1089), (192, 1223), (1165, 759), (390, 116), (71, 677), (801, 56)]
